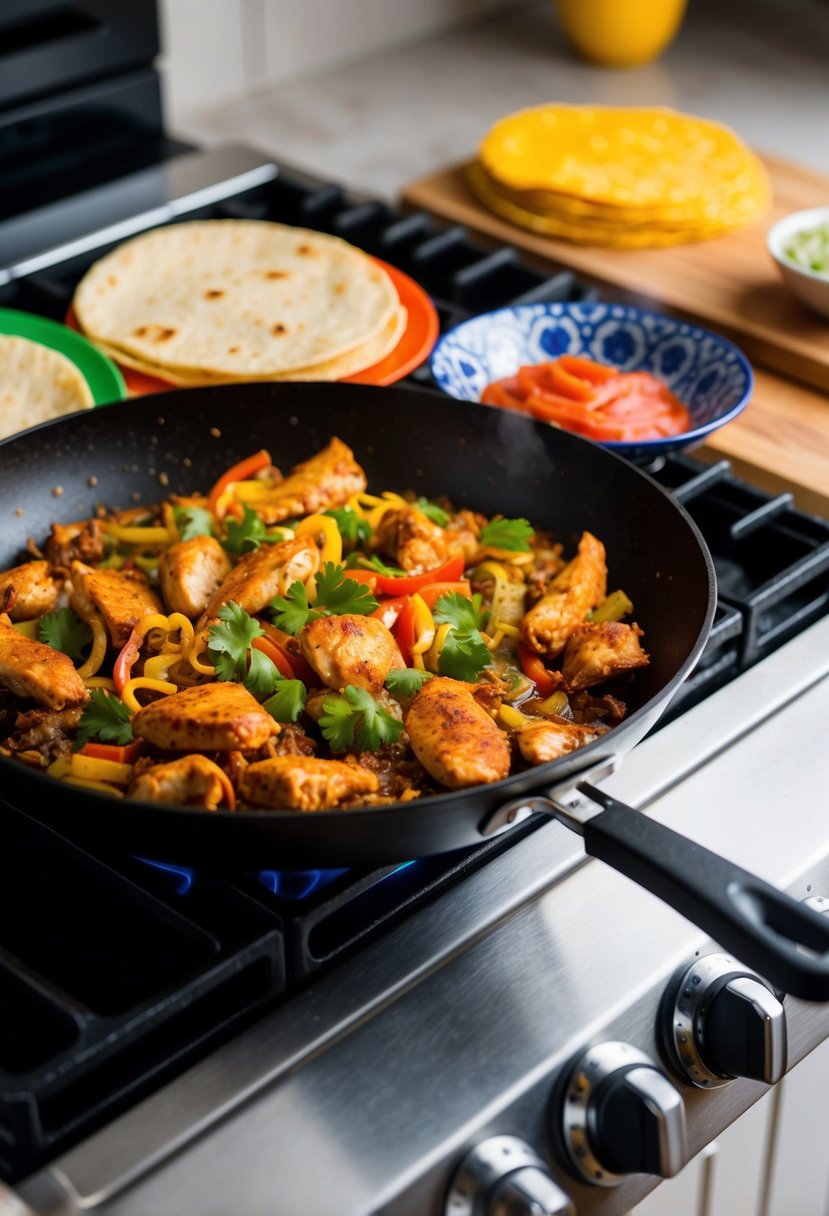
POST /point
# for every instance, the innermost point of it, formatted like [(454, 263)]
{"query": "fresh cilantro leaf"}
[(288, 701), (353, 529), (104, 717), (65, 631), (406, 681), (337, 595), (364, 562), (355, 717), (193, 521), (463, 655), (463, 611), (290, 612), (230, 641), (262, 674), (510, 534), (245, 536), (432, 511)]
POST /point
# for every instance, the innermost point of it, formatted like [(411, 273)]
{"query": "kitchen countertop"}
[(381, 122)]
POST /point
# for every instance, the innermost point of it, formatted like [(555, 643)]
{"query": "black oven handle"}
[(779, 937)]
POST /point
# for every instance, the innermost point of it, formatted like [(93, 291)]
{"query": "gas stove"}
[(474, 1033)]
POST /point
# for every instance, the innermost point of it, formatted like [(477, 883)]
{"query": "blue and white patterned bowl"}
[(709, 374)]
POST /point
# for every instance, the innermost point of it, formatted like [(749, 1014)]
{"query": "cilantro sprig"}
[(230, 641), (355, 717), (193, 521), (406, 681), (247, 534), (65, 631), (513, 535), (336, 595), (288, 701), (364, 561), (432, 511), (464, 653), (104, 717)]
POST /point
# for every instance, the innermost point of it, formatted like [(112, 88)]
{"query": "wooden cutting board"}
[(729, 283), (781, 442)]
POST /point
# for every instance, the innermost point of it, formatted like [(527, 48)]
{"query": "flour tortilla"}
[(235, 299), (331, 369), (36, 385)]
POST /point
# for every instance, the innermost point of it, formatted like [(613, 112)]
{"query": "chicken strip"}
[(454, 738), (121, 598), (599, 650), (350, 649), (190, 574), (259, 576), (36, 672), (410, 537), (326, 480), (27, 591), (82, 541), (580, 586), (546, 739), (304, 783), (189, 781), (210, 718)]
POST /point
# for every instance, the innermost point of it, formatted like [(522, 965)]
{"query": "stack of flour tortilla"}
[(218, 301), (622, 177), (37, 384)]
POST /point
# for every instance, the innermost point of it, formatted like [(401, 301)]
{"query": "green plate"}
[(103, 377)]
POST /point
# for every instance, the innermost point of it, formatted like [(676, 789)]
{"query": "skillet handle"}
[(763, 927)]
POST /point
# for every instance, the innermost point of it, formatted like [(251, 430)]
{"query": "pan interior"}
[(406, 439)]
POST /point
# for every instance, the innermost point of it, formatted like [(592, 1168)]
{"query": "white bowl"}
[(809, 286)]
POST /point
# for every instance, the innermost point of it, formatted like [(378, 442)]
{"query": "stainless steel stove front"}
[(362, 1094)]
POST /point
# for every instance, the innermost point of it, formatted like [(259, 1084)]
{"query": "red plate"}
[(415, 345)]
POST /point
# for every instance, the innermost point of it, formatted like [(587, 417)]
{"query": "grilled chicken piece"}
[(36, 672), (350, 649), (580, 586), (27, 591), (410, 537), (259, 576), (464, 532), (599, 650), (207, 718), (543, 740), (326, 480), (122, 598), (189, 781), (304, 783), (191, 573), (82, 542), (454, 738)]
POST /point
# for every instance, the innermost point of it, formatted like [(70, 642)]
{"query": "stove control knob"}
[(622, 1116), (725, 1022), (502, 1176)]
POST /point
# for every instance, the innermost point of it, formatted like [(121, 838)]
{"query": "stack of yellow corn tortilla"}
[(621, 177), (230, 300)]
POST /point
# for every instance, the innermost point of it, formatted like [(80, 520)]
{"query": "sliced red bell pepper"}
[(432, 593), (389, 610), (547, 682), (449, 572), (124, 663), (405, 630), (288, 645), (238, 472), (277, 656), (127, 754), (367, 577)]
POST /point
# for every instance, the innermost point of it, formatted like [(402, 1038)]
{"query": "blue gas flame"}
[(182, 877)]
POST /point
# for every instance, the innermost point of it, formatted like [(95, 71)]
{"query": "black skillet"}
[(494, 461)]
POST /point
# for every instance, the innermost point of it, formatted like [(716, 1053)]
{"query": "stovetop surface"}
[(96, 1011)]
